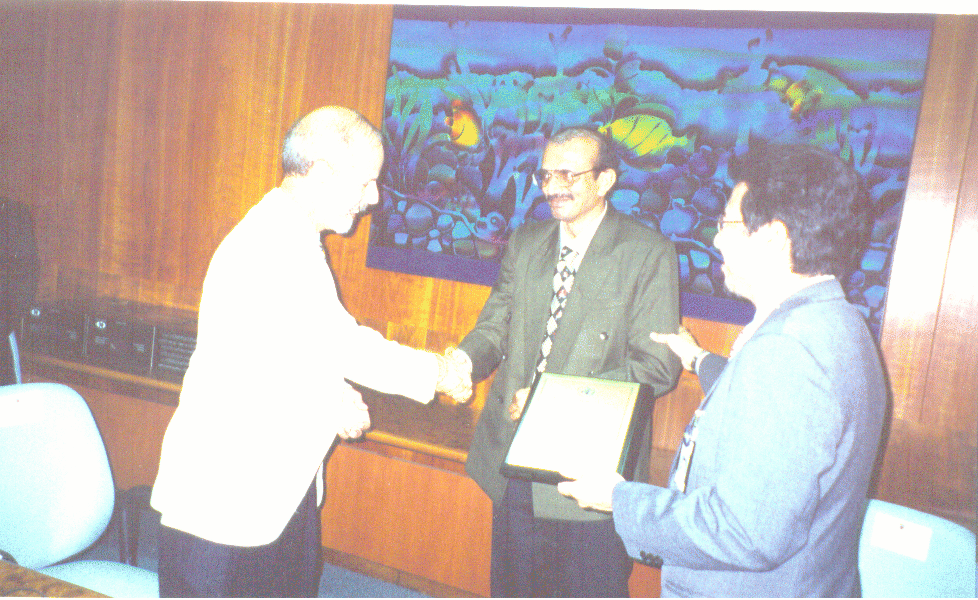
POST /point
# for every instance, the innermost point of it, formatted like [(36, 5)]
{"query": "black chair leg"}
[(130, 504)]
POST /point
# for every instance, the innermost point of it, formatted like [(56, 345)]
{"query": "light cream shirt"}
[(257, 407)]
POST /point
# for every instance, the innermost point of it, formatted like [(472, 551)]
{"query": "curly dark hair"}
[(817, 196)]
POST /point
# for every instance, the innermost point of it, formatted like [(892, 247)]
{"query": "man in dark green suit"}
[(625, 281)]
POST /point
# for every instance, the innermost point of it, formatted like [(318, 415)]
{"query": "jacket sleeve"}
[(780, 435), (708, 370), (391, 368)]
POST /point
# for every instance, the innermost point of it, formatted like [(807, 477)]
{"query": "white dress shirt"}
[(257, 408)]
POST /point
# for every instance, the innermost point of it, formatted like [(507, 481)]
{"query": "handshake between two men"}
[(454, 380)]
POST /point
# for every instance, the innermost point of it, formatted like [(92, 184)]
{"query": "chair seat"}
[(109, 578)]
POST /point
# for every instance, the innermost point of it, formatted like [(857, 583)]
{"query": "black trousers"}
[(289, 567), (547, 558)]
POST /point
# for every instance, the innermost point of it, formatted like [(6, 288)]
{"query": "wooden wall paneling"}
[(673, 411), (644, 582), (956, 339), (929, 458), (345, 61), (194, 109), (73, 95), (921, 253), (22, 59), (143, 133), (956, 342), (160, 125), (950, 404)]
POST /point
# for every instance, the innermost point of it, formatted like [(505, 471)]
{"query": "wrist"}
[(461, 358), (694, 367)]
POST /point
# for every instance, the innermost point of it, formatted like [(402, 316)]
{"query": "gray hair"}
[(327, 133)]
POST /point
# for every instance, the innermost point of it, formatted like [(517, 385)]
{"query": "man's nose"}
[(720, 239), (551, 187)]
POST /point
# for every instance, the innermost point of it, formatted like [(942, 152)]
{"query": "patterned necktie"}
[(563, 280)]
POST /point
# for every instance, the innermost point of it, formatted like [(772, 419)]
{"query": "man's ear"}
[(776, 234), (321, 168), (606, 180)]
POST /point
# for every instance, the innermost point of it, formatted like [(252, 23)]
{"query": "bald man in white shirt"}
[(266, 394)]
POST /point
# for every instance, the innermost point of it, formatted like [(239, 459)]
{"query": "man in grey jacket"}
[(624, 285), (769, 486)]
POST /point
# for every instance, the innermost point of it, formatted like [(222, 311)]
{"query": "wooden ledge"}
[(41, 366)]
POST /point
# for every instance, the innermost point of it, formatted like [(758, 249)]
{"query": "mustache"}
[(560, 196)]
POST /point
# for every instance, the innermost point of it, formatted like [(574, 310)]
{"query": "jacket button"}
[(603, 336)]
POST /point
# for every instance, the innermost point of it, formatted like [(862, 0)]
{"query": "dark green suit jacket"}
[(625, 287)]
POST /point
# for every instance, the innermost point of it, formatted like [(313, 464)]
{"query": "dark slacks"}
[(546, 558), (289, 567)]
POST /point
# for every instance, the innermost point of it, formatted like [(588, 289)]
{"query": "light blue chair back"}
[(56, 490), (907, 553)]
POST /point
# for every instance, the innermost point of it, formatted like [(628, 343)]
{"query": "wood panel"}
[(142, 132), (928, 332), (927, 225), (425, 521)]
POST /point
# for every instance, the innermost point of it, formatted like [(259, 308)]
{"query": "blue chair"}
[(906, 553), (56, 490)]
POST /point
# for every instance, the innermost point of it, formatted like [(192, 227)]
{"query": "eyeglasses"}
[(721, 223), (562, 177)]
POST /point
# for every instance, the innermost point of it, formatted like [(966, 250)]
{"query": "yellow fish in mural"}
[(645, 135), (799, 95), (464, 129)]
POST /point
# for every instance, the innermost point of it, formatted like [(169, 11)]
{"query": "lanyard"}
[(681, 474)]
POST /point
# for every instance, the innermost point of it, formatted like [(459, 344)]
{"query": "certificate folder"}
[(576, 421)]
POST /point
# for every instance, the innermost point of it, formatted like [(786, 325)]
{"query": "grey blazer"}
[(778, 480), (625, 287)]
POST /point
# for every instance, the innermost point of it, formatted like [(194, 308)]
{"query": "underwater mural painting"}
[(473, 93)]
